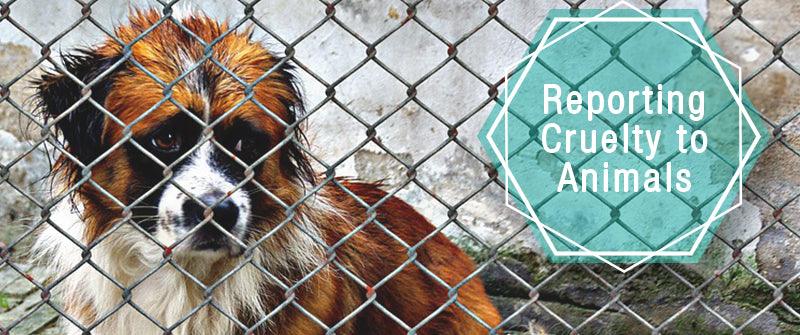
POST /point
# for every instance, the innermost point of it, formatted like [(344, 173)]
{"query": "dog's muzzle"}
[(202, 210), (219, 214)]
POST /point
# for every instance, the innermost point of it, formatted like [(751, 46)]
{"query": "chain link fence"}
[(423, 56)]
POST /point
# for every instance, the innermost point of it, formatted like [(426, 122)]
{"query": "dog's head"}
[(192, 128)]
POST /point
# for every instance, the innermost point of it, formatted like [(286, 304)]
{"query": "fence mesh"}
[(533, 296)]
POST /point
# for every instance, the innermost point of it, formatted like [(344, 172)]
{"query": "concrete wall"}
[(370, 93)]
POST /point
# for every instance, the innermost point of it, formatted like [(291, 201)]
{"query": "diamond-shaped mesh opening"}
[(372, 21), (637, 297), (428, 52), (350, 56), (371, 77), (499, 37)]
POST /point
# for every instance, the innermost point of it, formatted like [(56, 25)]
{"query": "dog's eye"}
[(245, 141), (166, 141), (243, 145)]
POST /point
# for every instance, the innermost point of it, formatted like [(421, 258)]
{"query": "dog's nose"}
[(226, 213)]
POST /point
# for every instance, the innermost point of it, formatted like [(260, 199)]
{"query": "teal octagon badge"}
[(623, 136)]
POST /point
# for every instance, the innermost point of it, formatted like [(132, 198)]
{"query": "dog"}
[(189, 206)]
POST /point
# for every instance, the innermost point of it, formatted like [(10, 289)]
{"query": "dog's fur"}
[(159, 281)]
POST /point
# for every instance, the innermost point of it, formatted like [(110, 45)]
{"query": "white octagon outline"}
[(714, 215)]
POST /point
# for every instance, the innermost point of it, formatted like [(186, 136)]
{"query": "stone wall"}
[(370, 93)]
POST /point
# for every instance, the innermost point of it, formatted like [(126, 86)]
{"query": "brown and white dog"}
[(229, 231)]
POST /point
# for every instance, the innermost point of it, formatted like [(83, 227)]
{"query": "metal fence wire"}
[(533, 296)]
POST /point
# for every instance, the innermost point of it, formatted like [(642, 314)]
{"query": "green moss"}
[(694, 324), (655, 293), (757, 295), (4, 301)]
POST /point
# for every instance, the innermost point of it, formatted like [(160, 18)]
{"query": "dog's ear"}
[(294, 160), (56, 93)]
